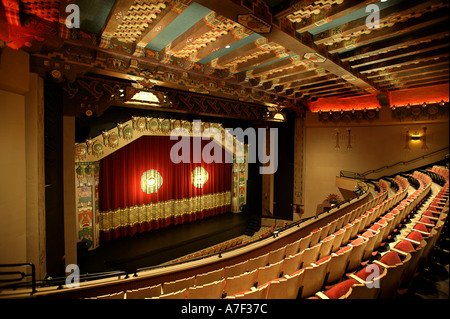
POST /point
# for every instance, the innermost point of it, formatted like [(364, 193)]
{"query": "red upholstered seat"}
[(426, 220), (357, 242), (416, 236), (405, 246), (324, 259), (391, 258), (421, 227), (375, 227), (428, 213), (367, 234), (366, 271), (343, 250), (340, 289)]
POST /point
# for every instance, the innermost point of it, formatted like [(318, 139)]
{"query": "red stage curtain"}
[(122, 198)]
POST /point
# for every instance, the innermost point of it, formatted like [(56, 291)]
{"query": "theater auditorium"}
[(226, 150)]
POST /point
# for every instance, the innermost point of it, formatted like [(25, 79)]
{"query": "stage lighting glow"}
[(199, 177), (151, 181)]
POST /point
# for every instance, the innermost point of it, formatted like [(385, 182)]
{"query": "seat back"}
[(314, 278), (257, 262), (116, 295), (338, 264), (173, 295), (324, 231), (240, 283), (206, 278), (292, 263), (146, 292), (333, 228), (310, 255), (327, 244), (268, 273), (213, 290), (356, 254), (177, 285), (337, 240), (292, 248), (276, 255), (315, 237), (348, 229), (371, 240), (235, 270), (257, 293), (304, 242), (286, 288)]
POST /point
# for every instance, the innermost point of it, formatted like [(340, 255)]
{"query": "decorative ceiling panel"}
[(267, 52)]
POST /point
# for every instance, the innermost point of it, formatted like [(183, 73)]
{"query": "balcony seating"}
[(276, 255), (177, 285), (292, 248), (215, 275), (173, 295), (240, 283), (253, 293), (213, 290), (338, 265), (356, 254), (286, 287), (310, 255), (235, 270), (292, 263), (257, 262), (395, 267), (314, 277), (268, 273)]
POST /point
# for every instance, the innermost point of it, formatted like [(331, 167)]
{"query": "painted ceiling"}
[(273, 53)]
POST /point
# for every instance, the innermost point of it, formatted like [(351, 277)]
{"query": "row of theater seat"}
[(232, 243), (415, 233), (303, 268)]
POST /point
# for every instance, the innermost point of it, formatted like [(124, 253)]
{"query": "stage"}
[(162, 245)]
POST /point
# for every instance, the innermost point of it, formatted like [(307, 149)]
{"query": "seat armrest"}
[(380, 263), (321, 295), (401, 252), (359, 280)]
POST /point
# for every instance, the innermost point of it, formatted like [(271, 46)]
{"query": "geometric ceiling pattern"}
[(268, 52)]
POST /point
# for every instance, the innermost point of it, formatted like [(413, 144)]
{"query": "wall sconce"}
[(416, 137)]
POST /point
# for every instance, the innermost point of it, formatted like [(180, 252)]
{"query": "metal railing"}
[(18, 282), (362, 176), (58, 282)]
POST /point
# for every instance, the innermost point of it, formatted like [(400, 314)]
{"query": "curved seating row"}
[(331, 256), (407, 252), (251, 276)]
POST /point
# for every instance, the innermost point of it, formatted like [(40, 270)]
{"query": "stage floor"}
[(159, 246)]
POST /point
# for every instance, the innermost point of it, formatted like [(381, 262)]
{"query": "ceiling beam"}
[(260, 60), (418, 66), (412, 24), (336, 11), (196, 31), (233, 35), (390, 14), (430, 55), (230, 10), (374, 49), (420, 48), (162, 20)]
